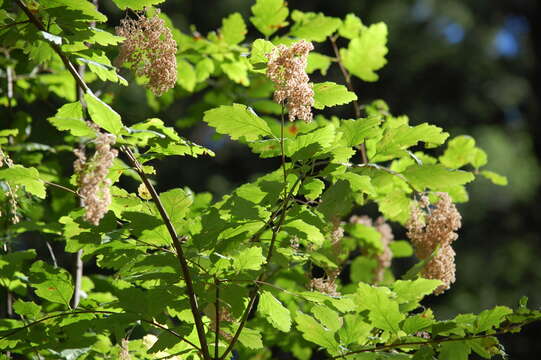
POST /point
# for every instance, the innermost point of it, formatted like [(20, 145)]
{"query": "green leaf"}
[(313, 331), (237, 121), (384, 313), (336, 200), (249, 259), (495, 177), (358, 183), (186, 75), (401, 248), (313, 27), (312, 189), (236, 71), (233, 29), (28, 309), (52, 284), (489, 319), (305, 231), (328, 318), (251, 338), (269, 16), (27, 177), (275, 313), (70, 117), (260, 49), (414, 290), (436, 177), (351, 27), (176, 203), (103, 115), (136, 4), (354, 330), (454, 350), (416, 323), (354, 132), (307, 146), (317, 61), (366, 54), (397, 140), (329, 94)]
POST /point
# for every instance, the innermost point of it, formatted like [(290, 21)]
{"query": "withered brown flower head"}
[(429, 227), (149, 50), (94, 186), (287, 70)]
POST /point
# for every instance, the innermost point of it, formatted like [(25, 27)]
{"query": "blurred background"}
[(467, 66)]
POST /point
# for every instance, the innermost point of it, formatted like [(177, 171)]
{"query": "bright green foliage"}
[(103, 115), (52, 284), (329, 94), (366, 53), (70, 117), (312, 26), (136, 4), (274, 311), (233, 29), (265, 262), (28, 177), (269, 16), (237, 121)]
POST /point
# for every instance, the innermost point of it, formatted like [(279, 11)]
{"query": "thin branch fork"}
[(190, 291), (67, 63), (349, 85)]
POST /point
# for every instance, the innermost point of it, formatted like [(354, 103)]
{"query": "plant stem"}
[(283, 152), (39, 25), (96, 312), (190, 292), (258, 282), (429, 342), (349, 85), (217, 320)]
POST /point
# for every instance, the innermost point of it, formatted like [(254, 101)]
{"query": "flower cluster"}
[(327, 284), (150, 51), (11, 190), (287, 70), (430, 227), (94, 186), (384, 259)]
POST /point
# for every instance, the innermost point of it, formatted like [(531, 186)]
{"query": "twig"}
[(172, 332), (39, 25), (7, 26), (217, 319), (190, 292), (349, 85), (51, 252), (255, 290), (429, 342), (63, 188)]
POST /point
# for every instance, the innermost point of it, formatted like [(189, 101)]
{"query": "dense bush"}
[(287, 263)]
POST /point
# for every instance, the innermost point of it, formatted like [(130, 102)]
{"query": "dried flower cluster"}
[(124, 350), (435, 227), (326, 285), (287, 70), (150, 51), (94, 186), (385, 258)]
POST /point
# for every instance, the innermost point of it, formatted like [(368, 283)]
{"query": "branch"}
[(349, 85), (39, 25), (190, 292), (259, 280), (217, 320), (96, 312), (430, 342)]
